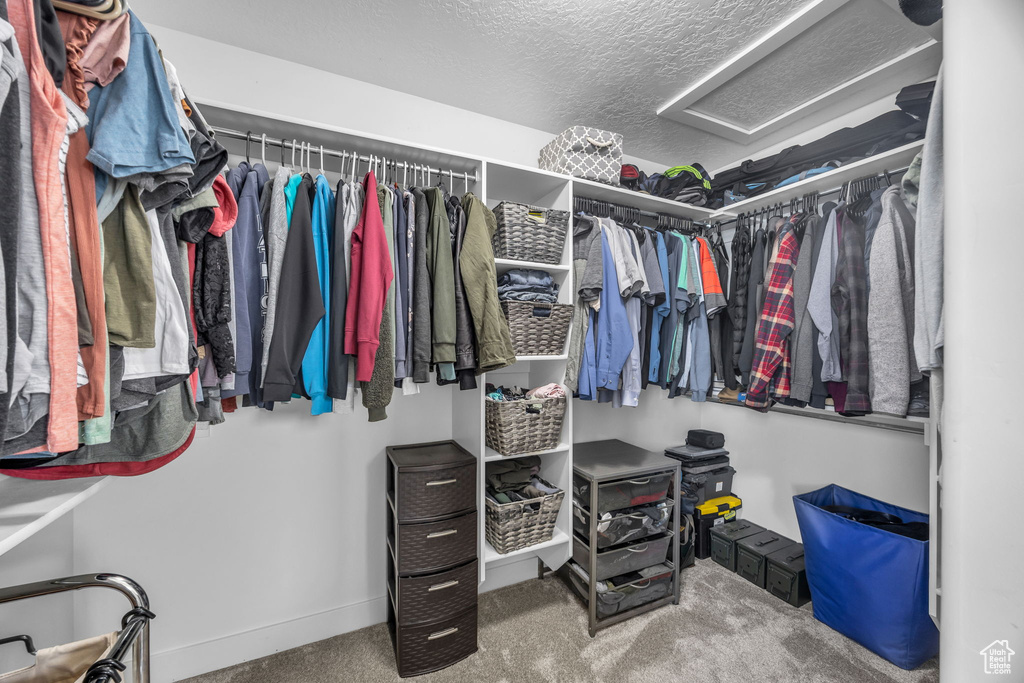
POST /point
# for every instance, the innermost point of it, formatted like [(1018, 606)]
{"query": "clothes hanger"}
[(465, 182), (322, 171), (293, 152), (27, 640), (248, 137), (283, 143), (263, 149)]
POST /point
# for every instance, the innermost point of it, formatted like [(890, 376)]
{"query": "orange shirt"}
[(49, 126)]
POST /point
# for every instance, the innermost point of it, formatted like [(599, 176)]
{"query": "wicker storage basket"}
[(519, 524), (537, 329), (515, 427), (529, 233)]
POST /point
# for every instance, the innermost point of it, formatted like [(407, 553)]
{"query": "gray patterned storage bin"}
[(585, 152)]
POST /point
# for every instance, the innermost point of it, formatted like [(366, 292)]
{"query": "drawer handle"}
[(441, 482), (638, 548), (443, 634), (640, 482), (442, 586), (446, 532), (646, 584), (637, 515)]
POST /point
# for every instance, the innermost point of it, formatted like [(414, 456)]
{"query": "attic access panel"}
[(829, 58)]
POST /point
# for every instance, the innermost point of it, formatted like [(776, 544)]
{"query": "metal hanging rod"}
[(346, 156), (824, 193)]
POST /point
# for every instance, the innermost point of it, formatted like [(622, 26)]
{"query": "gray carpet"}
[(725, 629)]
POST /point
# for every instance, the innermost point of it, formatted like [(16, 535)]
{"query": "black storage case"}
[(713, 484), (752, 555), (705, 438), (710, 514), (787, 577), (724, 538)]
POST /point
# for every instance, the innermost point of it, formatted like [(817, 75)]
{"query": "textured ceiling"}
[(852, 40), (547, 64)]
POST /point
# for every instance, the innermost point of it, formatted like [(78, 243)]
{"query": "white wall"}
[(775, 455), (212, 71), (266, 535), (47, 555), (982, 467)]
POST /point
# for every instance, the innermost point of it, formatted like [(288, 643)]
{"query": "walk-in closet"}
[(541, 341)]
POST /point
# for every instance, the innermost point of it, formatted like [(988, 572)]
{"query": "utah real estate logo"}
[(997, 657)]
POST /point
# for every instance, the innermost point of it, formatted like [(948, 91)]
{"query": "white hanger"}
[(293, 152), (465, 182), (405, 173), (355, 166), (322, 171), (263, 149)]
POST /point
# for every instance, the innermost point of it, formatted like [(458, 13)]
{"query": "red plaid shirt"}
[(770, 371)]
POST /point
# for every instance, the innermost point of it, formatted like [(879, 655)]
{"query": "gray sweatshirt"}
[(275, 235), (892, 365), (819, 303), (801, 348), (29, 383), (929, 337)]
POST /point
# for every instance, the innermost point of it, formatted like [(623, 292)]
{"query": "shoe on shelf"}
[(919, 399), (729, 395)]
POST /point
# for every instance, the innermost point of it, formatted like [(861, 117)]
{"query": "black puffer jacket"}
[(211, 299), (737, 307)]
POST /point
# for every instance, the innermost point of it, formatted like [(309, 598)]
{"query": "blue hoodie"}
[(613, 340), (314, 362)]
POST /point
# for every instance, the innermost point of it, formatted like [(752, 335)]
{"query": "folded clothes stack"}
[(515, 480), (531, 286), (517, 394)]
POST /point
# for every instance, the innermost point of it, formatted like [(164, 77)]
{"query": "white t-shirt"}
[(170, 355)]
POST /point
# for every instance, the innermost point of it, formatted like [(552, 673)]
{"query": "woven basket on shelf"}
[(514, 427), (537, 329), (519, 524), (529, 233)]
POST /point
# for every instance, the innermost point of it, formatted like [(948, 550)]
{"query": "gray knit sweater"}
[(892, 364)]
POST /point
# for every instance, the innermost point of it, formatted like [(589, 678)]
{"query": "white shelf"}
[(504, 264), (28, 506), (557, 538), (624, 197), (491, 455), (886, 161)]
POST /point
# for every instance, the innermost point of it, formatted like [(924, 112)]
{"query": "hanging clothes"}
[(476, 261), (890, 316), (315, 359), (300, 304), (849, 300), (377, 392), (770, 374)]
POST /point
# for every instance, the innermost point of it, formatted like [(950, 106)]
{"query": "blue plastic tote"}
[(869, 584)]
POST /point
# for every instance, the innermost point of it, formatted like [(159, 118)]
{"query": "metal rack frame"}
[(134, 627), (347, 157)]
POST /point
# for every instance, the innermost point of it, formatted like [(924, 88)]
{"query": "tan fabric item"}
[(64, 663)]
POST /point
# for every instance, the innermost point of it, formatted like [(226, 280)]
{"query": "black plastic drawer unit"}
[(432, 555)]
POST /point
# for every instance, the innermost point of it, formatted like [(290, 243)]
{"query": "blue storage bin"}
[(869, 584)]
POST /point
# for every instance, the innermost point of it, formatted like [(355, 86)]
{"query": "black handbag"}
[(705, 438), (881, 520)]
